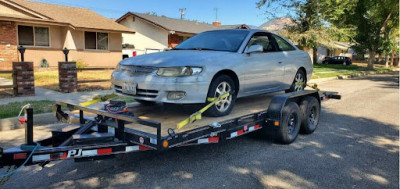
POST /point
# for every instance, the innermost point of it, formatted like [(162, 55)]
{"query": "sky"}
[(229, 11)]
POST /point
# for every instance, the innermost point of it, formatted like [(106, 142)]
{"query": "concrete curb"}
[(38, 119), (362, 73)]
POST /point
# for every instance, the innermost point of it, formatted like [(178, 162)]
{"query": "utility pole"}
[(216, 14), (182, 10)]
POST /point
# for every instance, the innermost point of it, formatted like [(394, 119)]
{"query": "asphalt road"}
[(355, 146)]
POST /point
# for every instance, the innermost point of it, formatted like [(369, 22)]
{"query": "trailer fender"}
[(275, 108)]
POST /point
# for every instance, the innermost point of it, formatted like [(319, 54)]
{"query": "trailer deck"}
[(100, 133)]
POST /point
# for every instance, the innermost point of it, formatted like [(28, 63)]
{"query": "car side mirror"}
[(254, 48)]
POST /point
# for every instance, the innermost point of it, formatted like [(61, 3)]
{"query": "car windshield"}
[(223, 40)]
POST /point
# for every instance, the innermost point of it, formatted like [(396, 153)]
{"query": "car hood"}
[(174, 58)]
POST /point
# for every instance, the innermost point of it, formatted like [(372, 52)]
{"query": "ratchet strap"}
[(314, 86), (197, 115), (97, 99)]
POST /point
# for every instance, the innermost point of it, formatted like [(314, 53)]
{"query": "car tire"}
[(145, 102), (290, 123), (310, 109), (224, 84), (299, 77)]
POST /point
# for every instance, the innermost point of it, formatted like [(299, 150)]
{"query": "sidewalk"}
[(45, 94)]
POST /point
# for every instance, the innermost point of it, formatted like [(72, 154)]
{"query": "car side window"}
[(262, 39), (282, 44)]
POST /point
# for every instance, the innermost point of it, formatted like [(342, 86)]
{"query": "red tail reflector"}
[(256, 126), (20, 156), (134, 53), (213, 139), (104, 151), (143, 147), (240, 132)]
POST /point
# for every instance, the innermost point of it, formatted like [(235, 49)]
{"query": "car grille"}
[(139, 92), (138, 69)]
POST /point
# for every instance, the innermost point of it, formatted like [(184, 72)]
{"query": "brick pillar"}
[(23, 78), (67, 77)]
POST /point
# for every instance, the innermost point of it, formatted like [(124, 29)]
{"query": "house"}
[(331, 48), (45, 29), (161, 32)]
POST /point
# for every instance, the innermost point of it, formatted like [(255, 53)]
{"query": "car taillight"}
[(134, 53)]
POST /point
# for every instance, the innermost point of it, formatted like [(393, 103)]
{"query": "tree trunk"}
[(371, 59), (392, 59), (387, 60), (315, 55)]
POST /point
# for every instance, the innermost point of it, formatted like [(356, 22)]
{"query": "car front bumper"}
[(151, 87)]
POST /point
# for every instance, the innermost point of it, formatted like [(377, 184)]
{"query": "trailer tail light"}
[(104, 151), (276, 123), (134, 53), (20, 156), (165, 143)]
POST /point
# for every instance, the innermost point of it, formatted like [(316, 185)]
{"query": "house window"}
[(33, 36), (96, 40)]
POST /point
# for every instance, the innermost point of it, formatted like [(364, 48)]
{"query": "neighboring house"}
[(45, 29), (161, 32), (325, 49)]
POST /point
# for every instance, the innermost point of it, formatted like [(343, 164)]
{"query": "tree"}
[(373, 22), (310, 29)]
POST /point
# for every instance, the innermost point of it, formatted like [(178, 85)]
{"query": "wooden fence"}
[(93, 69)]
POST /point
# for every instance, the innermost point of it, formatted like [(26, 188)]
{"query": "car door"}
[(262, 68), (290, 60)]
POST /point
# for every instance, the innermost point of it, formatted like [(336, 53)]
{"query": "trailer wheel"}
[(290, 123), (310, 108)]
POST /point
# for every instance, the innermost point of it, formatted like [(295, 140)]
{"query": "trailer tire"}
[(311, 109), (290, 123)]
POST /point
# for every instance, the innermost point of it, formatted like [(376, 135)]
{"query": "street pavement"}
[(355, 146)]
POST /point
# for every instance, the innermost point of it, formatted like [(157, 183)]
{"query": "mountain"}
[(277, 24)]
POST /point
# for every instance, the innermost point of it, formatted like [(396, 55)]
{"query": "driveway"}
[(355, 146)]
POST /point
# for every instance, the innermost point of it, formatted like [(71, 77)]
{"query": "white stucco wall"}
[(146, 36), (321, 53)]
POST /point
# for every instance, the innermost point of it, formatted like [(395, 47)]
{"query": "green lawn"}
[(12, 109), (332, 70), (43, 106)]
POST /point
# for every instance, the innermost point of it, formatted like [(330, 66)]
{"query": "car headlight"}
[(179, 71)]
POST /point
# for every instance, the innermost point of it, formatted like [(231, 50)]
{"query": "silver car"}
[(212, 63)]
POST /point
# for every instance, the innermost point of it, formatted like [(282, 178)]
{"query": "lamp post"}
[(65, 51), (21, 50)]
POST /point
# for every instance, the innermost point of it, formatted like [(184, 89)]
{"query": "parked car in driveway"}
[(337, 60), (212, 63)]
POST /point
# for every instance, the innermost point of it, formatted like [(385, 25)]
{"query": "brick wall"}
[(173, 40), (8, 45)]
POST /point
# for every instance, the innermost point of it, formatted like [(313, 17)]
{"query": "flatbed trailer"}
[(101, 134)]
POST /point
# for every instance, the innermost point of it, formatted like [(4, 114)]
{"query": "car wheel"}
[(220, 85), (145, 102), (299, 82), (311, 108), (290, 123)]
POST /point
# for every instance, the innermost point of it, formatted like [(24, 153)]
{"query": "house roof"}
[(78, 18), (178, 25)]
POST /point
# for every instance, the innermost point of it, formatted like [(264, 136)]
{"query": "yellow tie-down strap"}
[(314, 86), (97, 99), (197, 115)]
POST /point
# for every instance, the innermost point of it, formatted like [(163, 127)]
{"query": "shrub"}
[(44, 63), (81, 64)]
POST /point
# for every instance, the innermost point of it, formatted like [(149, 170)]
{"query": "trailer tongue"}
[(102, 134)]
